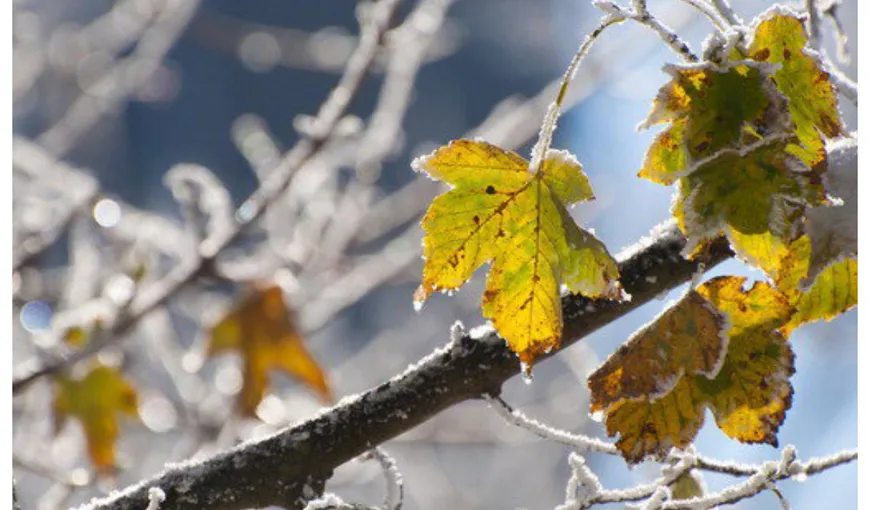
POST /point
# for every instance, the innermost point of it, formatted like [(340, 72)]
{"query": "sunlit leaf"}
[(833, 291), (780, 39), (709, 109), (499, 211), (95, 400), (745, 196), (262, 330), (654, 390), (688, 337)]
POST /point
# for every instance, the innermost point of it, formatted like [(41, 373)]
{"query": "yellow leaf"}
[(688, 337), (95, 400), (746, 196), (709, 109), (781, 39), (262, 330), (497, 210), (833, 291), (654, 390)]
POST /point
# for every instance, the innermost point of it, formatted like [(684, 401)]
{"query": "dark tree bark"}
[(292, 466)]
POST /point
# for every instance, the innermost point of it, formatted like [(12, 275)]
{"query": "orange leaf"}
[(262, 329)]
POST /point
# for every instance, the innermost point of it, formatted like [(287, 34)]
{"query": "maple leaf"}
[(743, 195), (653, 391), (95, 400), (780, 39), (497, 210), (262, 330), (709, 109)]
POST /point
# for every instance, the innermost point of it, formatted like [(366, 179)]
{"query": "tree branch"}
[(292, 466)]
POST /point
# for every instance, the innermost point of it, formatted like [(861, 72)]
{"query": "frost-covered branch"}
[(769, 472), (302, 457), (656, 494), (578, 442)]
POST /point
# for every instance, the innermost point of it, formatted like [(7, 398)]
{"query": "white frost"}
[(155, 497)]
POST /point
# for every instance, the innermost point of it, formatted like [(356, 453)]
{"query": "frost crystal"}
[(155, 497)]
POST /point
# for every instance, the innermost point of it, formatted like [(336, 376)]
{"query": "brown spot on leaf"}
[(490, 190), (786, 54), (761, 54)]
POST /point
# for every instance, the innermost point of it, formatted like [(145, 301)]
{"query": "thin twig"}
[(395, 486), (707, 10), (579, 442), (727, 12), (815, 34)]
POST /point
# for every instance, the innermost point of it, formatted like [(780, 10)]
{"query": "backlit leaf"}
[(709, 109), (780, 38), (95, 400), (262, 330), (745, 195), (833, 291), (499, 211), (654, 391), (688, 337)]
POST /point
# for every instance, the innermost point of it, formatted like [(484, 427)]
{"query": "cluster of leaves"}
[(745, 147), (260, 327)]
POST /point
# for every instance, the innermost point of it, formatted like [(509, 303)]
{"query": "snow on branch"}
[(304, 455), (579, 442), (584, 489)]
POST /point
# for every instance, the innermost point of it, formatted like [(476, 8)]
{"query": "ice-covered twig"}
[(120, 82), (640, 13), (813, 24), (339, 99), (579, 442), (548, 126), (583, 486), (395, 484), (783, 503), (831, 12), (844, 84), (727, 13), (614, 15), (707, 10), (766, 474), (760, 477), (329, 501)]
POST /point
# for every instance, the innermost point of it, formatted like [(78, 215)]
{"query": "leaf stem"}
[(548, 127)]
